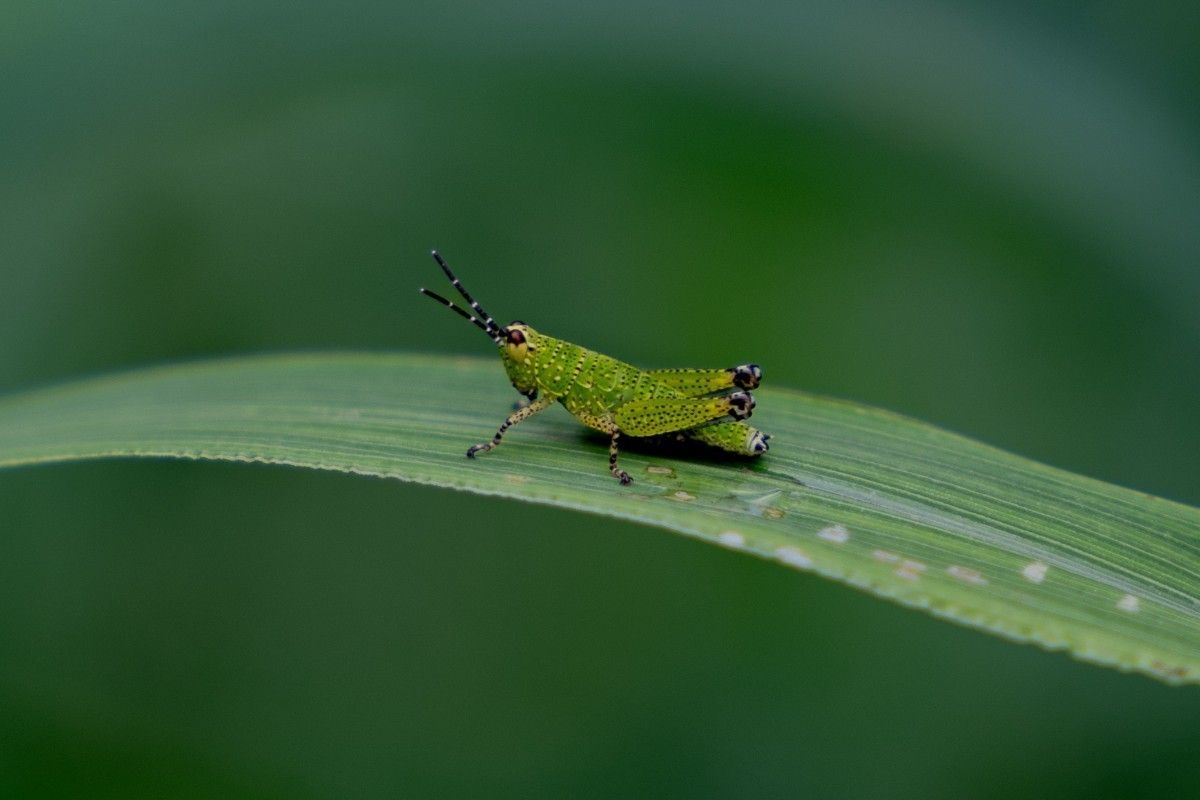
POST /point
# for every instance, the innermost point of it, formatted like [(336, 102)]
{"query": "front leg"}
[(526, 397), (513, 419)]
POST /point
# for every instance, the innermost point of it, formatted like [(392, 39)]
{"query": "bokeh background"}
[(984, 215)]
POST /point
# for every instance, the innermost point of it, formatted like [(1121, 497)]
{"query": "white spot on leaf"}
[(794, 557), (835, 533), (910, 570), (1129, 603), (885, 556), (967, 575), (1035, 571), (732, 539), (684, 496), (660, 470)]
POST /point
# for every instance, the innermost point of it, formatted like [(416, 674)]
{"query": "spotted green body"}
[(615, 397)]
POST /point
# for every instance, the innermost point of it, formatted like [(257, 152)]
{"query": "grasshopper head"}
[(517, 346)]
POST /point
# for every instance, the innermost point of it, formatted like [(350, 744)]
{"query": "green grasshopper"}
[(614, 397)]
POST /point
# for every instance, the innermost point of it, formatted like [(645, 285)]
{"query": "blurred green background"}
[(986, 216)]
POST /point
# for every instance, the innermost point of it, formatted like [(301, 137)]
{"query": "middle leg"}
[(607, 425), (616, 471)]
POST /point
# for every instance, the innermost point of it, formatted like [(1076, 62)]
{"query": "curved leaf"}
[(899, 508)]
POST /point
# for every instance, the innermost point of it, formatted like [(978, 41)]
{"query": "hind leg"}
[(607, 425), (736, 437), (670, 414), (700, 382)]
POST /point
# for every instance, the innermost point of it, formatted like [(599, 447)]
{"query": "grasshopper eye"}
[(516, 344)]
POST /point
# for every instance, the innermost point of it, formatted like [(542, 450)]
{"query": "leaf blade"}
[(902, 509)]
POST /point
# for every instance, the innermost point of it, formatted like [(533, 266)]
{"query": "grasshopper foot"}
[(623, 476), (478, 448)]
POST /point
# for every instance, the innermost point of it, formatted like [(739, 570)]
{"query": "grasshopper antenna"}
[(492, 334), (492, 327)]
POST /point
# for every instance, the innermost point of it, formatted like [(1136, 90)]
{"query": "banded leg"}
[(699, 382), (513, 419), (607, 425), (670, 414), (616, 471)]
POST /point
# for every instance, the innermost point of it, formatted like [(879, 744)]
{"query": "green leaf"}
[(899, 508)]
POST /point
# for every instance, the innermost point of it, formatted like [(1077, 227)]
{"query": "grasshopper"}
[(614, 397)]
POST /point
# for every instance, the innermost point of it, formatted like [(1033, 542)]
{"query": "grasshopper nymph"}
[(614, 397)]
